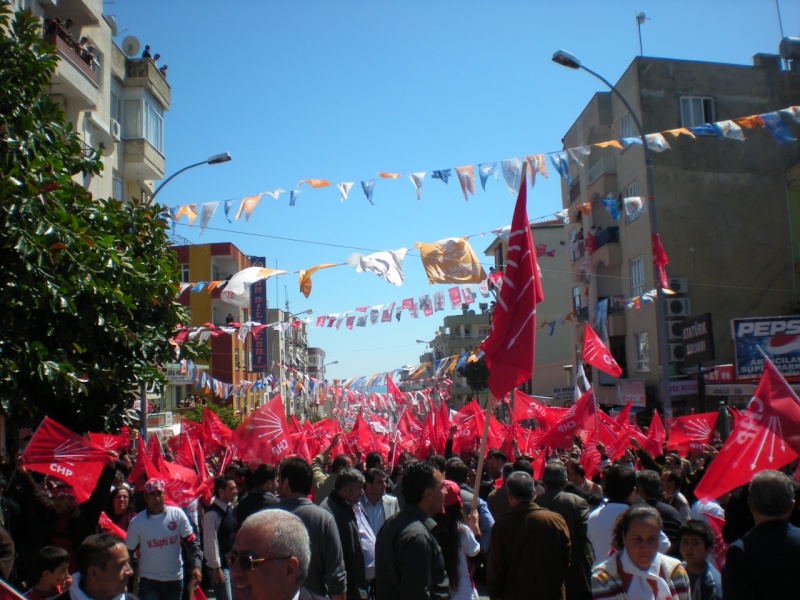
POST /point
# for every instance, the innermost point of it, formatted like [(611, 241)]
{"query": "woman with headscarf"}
[(637, 570)]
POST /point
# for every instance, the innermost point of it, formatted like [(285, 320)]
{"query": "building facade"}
[(115, 102), (727, 214)]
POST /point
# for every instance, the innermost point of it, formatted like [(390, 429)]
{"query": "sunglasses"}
[(247, 561)]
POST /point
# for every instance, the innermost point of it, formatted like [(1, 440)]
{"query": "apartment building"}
[(115, 102), (728, 214)]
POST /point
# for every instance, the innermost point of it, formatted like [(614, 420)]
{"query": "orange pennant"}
[(305, 278), (389, 175), (609, 144), (315, 183), (585, 207), (680, 131), (750, 122)]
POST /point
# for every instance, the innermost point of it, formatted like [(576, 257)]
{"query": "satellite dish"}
[(112, 23), (131, 46)]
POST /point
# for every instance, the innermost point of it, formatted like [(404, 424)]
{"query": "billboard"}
[(777, 337), (698, 339)]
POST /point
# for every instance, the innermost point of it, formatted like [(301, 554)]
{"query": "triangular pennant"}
[(417, 179), (344, 189)]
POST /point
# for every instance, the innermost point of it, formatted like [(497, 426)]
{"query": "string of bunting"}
[(510, 169)]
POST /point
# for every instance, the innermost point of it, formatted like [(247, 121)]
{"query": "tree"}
[(225, 413), (88, 285)]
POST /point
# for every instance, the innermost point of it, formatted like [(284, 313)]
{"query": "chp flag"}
[(510, 348), (597, 355)]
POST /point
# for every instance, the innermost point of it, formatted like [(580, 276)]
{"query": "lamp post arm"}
[(173, 176)]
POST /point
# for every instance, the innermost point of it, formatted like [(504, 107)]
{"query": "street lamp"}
[(289, 405), (214, 160), (566, 59)]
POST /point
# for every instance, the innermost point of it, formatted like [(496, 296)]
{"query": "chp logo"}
[(172, 525)]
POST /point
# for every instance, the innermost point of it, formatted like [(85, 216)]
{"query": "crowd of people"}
[(358, 528), (82, 47)]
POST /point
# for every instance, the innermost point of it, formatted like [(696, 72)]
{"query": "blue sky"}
[(342, 90)]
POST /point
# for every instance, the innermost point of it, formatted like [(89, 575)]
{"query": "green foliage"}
[(477, 374), (225, 413), (87, 288)]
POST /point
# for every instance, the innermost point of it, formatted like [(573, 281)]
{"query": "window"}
[(627, 128), (116, 101), (184, 273), (467, 331), (632, 191), (118, 190), (637, 276), (642, 352), (144, 118), (576, 298), (696, 110)]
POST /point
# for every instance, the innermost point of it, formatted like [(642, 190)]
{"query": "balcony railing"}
[(576, 250), (582, 314), (609, 235), (604, 166)]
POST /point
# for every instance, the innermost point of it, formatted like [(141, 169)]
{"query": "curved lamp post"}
[(565, 59), (214, 160)]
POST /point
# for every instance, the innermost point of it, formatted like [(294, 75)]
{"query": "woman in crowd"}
[(120, 508), (456, 537), (637, 570)]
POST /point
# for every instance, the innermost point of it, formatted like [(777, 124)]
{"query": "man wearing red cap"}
[(157, 532)]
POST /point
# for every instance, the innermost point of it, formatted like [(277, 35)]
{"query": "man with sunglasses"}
[(158, 532), (270, 558)]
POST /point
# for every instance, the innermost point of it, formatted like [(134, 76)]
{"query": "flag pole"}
[(484, 437)]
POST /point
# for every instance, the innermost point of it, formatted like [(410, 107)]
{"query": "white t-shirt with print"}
[(158, 538)]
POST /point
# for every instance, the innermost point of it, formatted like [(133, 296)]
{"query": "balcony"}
[(582, 314), (576, 251), (74, 78), (602, 178), (142, 161), (608, 252), (143, 72)]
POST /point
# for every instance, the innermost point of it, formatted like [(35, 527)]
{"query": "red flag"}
[(757, 441), (660, 261), (581, 416), (720, 547), (526, 407), (181, 447), (623, 418), (510, 348), (656, 435), (59, 452), (108, 526), (469, 422), (182, 483), (596, 354), (394, 393), (264, 434), (324, 431), (780, 400), (109, 442), (214, 429), (691, 433), (364, 439)]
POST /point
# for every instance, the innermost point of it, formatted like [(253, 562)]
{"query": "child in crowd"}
[(51, 574), (695, 542)]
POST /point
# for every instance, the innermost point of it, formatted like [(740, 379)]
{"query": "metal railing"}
[(604, 166)]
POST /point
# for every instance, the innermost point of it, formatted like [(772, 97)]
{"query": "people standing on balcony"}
[(163, 71), (155, 59), (146, 52), (590, 245)]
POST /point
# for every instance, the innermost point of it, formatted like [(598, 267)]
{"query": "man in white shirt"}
[(157, 532), (376, 505), (218, 534)]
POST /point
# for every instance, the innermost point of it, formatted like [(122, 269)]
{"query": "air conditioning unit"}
[(116, 130), (679, 285), (676, 352), (678, 307), (675, 330)]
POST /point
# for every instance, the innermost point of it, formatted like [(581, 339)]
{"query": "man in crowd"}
[(343, 504), (671, 490), (263, 484), (270, 558), (375, 503), (326, 572), (103, 570), (218, 533), (408, 560), (649, 485), (323, 484), (575, 512), (620, 490), (530, 549), (157, 532), (762, 564)]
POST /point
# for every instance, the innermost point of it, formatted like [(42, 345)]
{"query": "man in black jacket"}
[(343, 504), (261, 488), (408, 560)]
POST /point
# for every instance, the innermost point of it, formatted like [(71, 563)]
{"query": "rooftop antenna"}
[(640, 19), (780, 26)]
